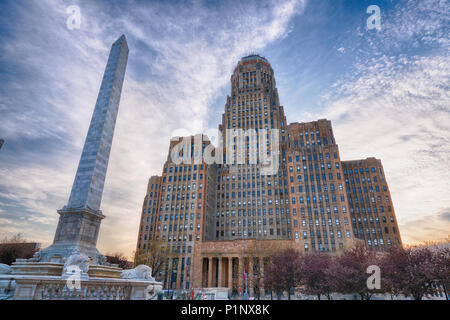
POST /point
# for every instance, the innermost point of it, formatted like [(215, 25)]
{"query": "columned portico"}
[(221, 265), (227, 272)]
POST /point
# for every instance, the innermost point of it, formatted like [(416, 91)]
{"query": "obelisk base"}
[(77, 230)]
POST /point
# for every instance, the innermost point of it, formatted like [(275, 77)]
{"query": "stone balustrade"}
[(50, 290), (56, 288)]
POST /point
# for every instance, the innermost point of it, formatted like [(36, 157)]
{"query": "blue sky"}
[(386, 92)]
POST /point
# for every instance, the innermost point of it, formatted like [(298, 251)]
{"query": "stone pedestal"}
[(77, 230), (22, 266), (110, 272)]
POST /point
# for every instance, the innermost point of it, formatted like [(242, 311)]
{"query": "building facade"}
[(369, 199), (221, 211)]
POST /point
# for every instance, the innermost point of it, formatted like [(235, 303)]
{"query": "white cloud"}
[(398, 110), (411, 25)]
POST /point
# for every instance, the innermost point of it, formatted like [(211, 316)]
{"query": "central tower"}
[(250, 203)]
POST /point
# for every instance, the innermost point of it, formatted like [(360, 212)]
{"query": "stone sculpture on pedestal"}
[(140, 272)]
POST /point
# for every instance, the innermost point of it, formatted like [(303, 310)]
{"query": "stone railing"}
[(58, 290), (20, 287), (7, 289)]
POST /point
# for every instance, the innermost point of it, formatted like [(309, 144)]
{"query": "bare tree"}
[(16, 238), (256, 250), (154, 256), (16, 247), (119, 259)]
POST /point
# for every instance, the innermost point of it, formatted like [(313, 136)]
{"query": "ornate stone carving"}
[(141, 272), (5, 269), (7, 288), (152, 291), (77, 259)]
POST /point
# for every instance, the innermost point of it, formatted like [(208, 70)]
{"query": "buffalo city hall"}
[(220, 212)]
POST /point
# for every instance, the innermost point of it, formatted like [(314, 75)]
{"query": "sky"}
[(385, 90)]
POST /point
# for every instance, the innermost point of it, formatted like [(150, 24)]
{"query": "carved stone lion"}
[(151, 291), (77, 259), (5, 269), (142, 272)]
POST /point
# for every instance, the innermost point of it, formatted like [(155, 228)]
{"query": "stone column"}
[(230, 274), (214, 272), (239, 274), (210, 272), (220, 270), (204, 273)]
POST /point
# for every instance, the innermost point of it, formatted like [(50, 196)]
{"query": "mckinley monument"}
[(73, 257), (80, 219)]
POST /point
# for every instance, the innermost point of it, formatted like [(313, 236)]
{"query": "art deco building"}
[(319, 202), (371, 208), (221, 211)]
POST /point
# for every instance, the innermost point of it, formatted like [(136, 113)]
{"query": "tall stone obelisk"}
[(80, 219)]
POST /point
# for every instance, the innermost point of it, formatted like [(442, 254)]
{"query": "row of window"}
[(185, 178), (337, 222), (315, 199), (369, 209), (361, 231), (175, 227), (377, 219), (316, 178), (186, 168), (316, 167), (324, 234), (360, 170)]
